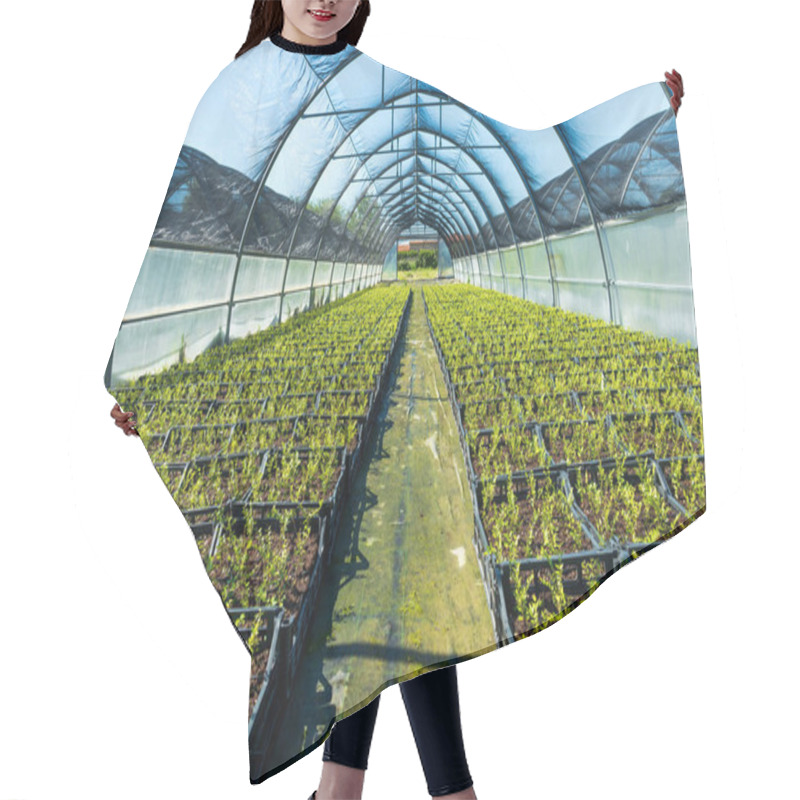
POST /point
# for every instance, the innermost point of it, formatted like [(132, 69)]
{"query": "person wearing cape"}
[(419, 381)]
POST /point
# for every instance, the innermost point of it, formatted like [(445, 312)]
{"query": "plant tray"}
[(658, 432), (531, 515), (578, 441), (624, 501), (686, 482)]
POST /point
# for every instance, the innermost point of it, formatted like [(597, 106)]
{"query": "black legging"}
[(432, 706)]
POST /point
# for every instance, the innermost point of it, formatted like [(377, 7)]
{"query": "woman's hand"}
[(675, 83), (123, 419)]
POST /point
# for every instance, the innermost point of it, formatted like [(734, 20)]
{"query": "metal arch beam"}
[(563, 189), (443, 178), (399, 201), (424, 200), (372, 226), (449, 100), (407, 218), (591, 178), (444, 221), (429, 217), (403, 222), (370, 184), (400, 220), (513, 159), (611, 150), (466, 233), (661, 120), (408, 175), (362, 121), (452, 228), (512, 156), (429, 90), (263, 179), (458, 241), (552, 188), (393, 230), (613, 308), (476, 194), (367, 186)]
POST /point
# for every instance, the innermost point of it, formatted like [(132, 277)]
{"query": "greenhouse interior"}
[(378, 256)]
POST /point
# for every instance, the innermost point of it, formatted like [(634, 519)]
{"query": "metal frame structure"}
[(432, 159)]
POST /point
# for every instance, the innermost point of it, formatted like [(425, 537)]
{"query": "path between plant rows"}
[(404, 588)]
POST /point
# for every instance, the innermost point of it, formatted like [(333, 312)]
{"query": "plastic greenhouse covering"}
[(496, 438), (350, 153)]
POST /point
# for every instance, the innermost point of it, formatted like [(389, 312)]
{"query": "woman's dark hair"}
[(266, 18)]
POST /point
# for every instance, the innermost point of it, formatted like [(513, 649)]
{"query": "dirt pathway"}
[(405, 590)]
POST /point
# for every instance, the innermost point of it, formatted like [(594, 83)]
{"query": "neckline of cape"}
[(308, 49)]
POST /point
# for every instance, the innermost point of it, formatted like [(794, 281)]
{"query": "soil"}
[(243, 580), (234, 411), (549, 408), (466, 374), (485, 413), (331, 432), (578, 381), (530, 542), (627, 378), (534, 385), (258, 435), (574, 589), (671, 399), (478, 391), (289, 589), (597, 404), (669, 375), (153, 442), (355, 403), (694, 423), (233, 481), (680, 481), (228, 391), (587, 441), (183, 444), (657, 432), (166, 413), (530, 456), (305, 486), (289, 406), (171, 475), (258, 667), (204, 545), (631, 520)]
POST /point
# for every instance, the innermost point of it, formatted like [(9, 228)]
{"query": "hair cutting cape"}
[(419, 381)]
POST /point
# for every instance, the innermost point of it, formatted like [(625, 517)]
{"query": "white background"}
[(122, 676)]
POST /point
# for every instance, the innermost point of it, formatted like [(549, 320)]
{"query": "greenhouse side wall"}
[(652, 277), (181, 303)]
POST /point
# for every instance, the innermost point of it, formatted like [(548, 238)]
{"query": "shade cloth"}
[(419, 381)]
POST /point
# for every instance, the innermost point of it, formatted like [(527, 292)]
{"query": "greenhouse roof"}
[(344, 154)]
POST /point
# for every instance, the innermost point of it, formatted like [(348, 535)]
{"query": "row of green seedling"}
[(531, 454), (300, 608)]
